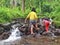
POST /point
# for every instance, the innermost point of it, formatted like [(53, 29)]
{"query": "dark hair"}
[(48, 19), (33, 9)]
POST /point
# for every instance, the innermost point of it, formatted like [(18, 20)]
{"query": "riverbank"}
[(37, 41)]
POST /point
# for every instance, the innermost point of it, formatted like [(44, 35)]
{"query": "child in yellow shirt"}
[(32, 16)]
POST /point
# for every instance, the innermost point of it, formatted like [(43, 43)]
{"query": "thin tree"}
[(13, 3), (23, 5)]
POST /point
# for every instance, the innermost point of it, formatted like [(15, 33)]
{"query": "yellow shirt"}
[(32, 16)]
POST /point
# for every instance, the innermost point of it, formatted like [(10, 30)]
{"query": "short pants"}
[(33, 22)]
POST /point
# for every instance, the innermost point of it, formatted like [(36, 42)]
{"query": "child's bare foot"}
[(32, 33)]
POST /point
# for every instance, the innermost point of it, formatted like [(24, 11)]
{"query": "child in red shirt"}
[(46, 24)]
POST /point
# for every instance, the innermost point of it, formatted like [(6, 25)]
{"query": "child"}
[(46, 22), (32, 16)]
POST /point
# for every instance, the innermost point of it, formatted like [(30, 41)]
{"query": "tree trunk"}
[(13, 3), (23, 5), (41, 5)]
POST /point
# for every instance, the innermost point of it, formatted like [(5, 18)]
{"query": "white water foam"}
[(15, 35)]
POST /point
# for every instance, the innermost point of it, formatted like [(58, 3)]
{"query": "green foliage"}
[(6, 14), (57, 24), (44, 8)]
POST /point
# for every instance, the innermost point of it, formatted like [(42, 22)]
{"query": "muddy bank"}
[(43, 40)]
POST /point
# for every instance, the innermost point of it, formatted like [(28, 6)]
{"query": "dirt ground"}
[(43, 40)]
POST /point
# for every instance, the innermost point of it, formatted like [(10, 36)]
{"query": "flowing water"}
[(15, 35)]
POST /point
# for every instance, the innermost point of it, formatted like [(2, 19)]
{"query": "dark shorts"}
[(33, 22)]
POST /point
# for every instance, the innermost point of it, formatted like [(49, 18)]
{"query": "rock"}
[(56, 40), (4, 35)]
